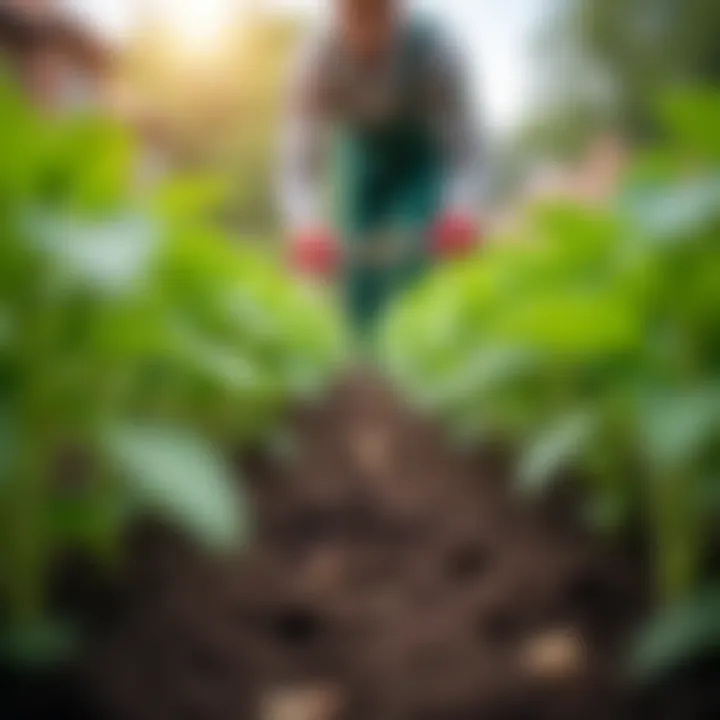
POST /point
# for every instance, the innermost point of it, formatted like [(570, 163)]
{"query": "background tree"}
[(605, 63)]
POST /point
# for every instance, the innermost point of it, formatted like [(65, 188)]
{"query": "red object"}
[(454, 236), (314, 253)]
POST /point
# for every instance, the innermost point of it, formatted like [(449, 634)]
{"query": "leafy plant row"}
[(591, 342), (136, 342)]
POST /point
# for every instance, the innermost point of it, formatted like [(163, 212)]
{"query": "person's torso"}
[(392, 93)]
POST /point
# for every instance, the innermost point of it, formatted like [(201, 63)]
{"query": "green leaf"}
[(675, 427), (41, 643), (556, 448), (250, 314), (679, 635), (110, 256), (92, 520), (676, 211), (178, 475), (222, 365), (709, 497), (189, 197), (607, 513), (9, 443), (692, 117), (484, 370)]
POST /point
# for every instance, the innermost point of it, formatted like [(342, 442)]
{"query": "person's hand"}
[(454, 236), (314, 253)]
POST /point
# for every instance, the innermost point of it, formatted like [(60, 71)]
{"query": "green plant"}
[(592, 341), (135, 343)]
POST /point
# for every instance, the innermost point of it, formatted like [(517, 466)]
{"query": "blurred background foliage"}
[(605, 63)]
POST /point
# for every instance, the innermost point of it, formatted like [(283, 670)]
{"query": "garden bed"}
[(390, 578)]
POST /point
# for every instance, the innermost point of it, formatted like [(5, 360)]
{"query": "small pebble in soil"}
[(554, 655), (322, 701)]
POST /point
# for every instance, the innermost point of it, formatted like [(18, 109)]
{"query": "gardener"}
[(381, 94)]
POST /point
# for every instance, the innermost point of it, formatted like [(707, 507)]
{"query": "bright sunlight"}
[(199, 24)]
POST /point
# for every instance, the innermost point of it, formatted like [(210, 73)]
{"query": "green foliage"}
[(550, 453), (135, 343), (182, 477), (605, 63), (679, 635), (592, 341)]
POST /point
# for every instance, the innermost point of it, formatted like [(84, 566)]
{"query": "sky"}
[(495, 34)]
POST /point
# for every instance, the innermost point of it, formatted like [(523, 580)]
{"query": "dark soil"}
[(391, 578)]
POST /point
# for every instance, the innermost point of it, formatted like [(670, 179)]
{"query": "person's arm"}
[(302, 142), (312, 249), (460, 140)]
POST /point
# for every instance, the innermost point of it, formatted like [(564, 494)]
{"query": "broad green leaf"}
[(485, 370), (573, 324), (190, 197), (555, 449), (110, 256), (250, 314), (676, 211), (679, 635), (100, 156), (215, 362), (709, 497), (674, 427), (180, 476)]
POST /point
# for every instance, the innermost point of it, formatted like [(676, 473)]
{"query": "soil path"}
[(390, 579)]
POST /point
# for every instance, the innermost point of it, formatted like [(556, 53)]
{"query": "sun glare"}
[(199, 24)]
